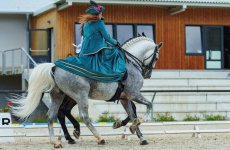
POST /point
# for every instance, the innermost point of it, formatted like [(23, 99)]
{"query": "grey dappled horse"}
[(47, 77)]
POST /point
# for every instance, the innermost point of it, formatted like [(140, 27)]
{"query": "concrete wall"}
[(13, 34)]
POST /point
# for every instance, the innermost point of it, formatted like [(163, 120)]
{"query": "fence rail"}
[(195, 131), (146, 91)]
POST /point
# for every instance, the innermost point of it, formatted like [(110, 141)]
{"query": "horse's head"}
[(146, 51)]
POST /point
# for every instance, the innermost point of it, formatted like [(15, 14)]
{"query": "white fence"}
[(196, 131)]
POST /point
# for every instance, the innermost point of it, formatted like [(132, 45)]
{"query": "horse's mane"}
[(133, 40)]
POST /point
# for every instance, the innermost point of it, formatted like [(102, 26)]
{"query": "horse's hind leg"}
[(57, 98), (130, 111)]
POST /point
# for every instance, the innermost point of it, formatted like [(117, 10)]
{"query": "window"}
[(109, 28), (193, 40), (124, 32), (121, 32), (77, 34), (147, 29)]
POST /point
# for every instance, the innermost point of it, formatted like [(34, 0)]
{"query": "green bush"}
[(191, 118), (164, 117), (214, 117), (106, 118)]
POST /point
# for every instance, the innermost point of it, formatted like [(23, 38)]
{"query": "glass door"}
[(213, 46), (40, 45)]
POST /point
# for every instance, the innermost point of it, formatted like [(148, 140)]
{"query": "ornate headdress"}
[(95, 8)]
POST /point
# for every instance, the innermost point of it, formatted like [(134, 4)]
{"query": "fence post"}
[(3, 63), (152, 105)]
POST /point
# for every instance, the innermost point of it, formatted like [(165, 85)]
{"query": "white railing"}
[(18, 58), (196, 132)]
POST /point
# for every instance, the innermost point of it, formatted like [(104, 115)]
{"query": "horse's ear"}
[(143, 34), (138, 34), (160, 45)]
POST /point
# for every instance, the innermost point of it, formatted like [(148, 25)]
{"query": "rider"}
[(100, 59)]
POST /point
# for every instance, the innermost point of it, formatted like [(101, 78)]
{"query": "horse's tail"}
[(40, 81)]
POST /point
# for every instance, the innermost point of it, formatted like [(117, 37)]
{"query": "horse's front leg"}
[(76, 125), (83, 112), (135, 121), (124, 122), (69, 103), (61, 118), (139, 98)]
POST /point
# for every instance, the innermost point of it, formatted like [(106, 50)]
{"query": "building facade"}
[(195, 35)]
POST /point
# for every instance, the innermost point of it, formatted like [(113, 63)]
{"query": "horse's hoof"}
[(71, 141), (117, 125), (136, 122), (58, 145), (76, 134), (144, 142), (132, 129), (102, 142)]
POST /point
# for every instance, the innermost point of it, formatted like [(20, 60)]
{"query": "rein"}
[(143, 67)]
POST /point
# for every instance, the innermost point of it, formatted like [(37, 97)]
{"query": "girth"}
[(119, 90)]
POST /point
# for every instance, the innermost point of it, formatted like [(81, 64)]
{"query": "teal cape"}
[(107, 65)]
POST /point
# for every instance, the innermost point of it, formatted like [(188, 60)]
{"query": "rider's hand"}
[(118, 45)]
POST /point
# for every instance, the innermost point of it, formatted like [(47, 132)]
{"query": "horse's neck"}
[(139, 49)]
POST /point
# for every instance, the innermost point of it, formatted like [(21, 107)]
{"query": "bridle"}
[(144, 68)]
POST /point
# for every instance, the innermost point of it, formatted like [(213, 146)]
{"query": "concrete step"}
[(168, 107), (169, 82), (12, 71), (190, 73)]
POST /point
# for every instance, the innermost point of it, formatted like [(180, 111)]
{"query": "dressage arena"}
[(209, 141)]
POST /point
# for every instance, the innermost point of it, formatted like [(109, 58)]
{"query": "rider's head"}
[(95, 9), (94, 12)]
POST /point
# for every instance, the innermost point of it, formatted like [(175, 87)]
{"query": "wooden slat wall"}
[(169, 28)]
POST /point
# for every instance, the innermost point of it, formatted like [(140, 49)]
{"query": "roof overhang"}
[(44, 9), (15, 12), (152, 2)]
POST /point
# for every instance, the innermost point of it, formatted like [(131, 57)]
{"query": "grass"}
[(105, 117), (214, 117), (39, 120), (191, 118), (79, 119), (164, 117)]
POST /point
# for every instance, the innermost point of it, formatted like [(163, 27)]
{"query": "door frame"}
[(205, 45)]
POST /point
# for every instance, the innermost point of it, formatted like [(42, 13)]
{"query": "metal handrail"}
[(4, 52)]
